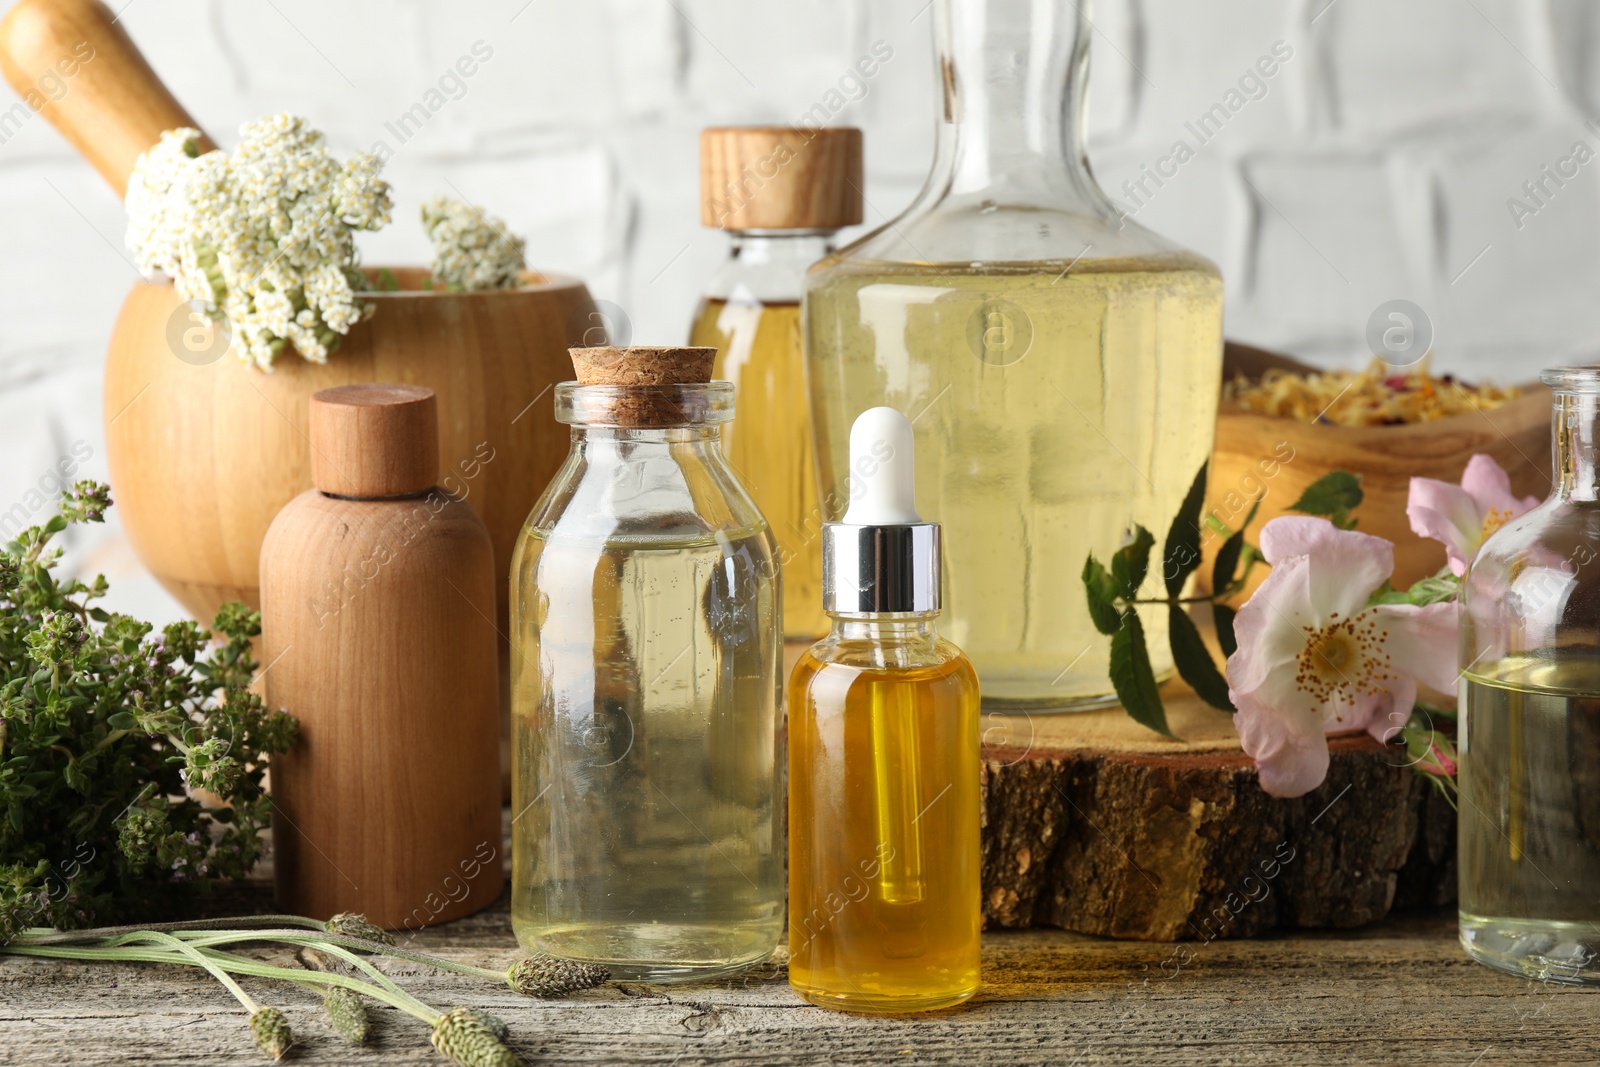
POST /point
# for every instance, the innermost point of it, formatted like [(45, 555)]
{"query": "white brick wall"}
[(1377, 164)]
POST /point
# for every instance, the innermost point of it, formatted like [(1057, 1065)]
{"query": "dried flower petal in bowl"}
[(1283, 424), (1378, 396)]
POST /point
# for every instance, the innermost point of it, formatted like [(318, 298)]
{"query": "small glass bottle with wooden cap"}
[(646, 666), (781, 193)]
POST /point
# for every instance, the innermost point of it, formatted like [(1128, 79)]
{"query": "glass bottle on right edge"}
[(1060, 363), (1529, 732)]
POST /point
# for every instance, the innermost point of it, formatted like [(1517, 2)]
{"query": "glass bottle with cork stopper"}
[(646, 665), (781, 193)]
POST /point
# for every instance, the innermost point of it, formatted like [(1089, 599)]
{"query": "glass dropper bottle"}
[(884, 904)]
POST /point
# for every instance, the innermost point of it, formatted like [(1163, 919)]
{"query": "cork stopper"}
[(644, 376), (780, 177), (374, 440)]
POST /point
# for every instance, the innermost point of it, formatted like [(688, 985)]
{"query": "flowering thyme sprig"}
[(104, 722)]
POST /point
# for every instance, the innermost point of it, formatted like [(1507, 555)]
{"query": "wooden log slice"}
[(1096, 824)]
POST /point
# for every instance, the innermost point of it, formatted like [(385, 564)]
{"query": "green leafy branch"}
[(106, 725), (1114, 601)]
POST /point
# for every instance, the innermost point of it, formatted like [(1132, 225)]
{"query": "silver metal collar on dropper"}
[(881, 557)]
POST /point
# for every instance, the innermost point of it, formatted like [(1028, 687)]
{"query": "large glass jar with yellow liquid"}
[(1059, 362), (781, 193)]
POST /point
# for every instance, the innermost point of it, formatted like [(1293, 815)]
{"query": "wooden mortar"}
[(203, 449)]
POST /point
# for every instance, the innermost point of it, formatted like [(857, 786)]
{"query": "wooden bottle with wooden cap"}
[(781, 193), (378, 601)]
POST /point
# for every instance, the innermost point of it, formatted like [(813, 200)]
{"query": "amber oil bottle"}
[(884, 905)]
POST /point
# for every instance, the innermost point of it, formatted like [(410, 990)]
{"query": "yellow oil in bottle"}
[(643, 728), (1053, 408), (769, 440), (884, 907), (1529, 828)]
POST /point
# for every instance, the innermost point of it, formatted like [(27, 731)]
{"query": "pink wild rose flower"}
[(1463, 516), (1314, 659)]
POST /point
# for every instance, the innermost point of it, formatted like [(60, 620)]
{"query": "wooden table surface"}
[(1401, 992)]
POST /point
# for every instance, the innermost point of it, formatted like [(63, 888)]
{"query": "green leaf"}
[(1193, 660), (1135, 682), (1132, 562), (1101, 593), (1181, 554), (1227, 562), (56, 524), (1222, 616), (1334, 496), (387, 281), (1435, 589), (1250, 516)]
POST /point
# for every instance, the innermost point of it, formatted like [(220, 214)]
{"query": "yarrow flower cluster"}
[(262, 236), (473, 250)]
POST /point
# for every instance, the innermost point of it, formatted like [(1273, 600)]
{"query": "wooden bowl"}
[(1261, 454), (204, 449)]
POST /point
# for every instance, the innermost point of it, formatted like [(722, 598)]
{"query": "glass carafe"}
[(646, 672), (1061, 364), (1529, 742)]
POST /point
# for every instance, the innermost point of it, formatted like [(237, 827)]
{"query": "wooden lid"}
[(374, 440), (780, 177)]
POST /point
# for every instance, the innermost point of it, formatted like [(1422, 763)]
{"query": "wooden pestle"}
[(71, 61)]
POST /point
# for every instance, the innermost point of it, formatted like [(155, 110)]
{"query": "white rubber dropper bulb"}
[(882, 470)]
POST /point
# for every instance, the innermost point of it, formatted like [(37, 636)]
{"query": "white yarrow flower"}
[(263, 236), (472, 250)]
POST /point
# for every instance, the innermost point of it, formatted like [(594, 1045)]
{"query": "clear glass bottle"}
[(1529, 742), (781, 193), (646, 675), (884, 895), (1061, 364)]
